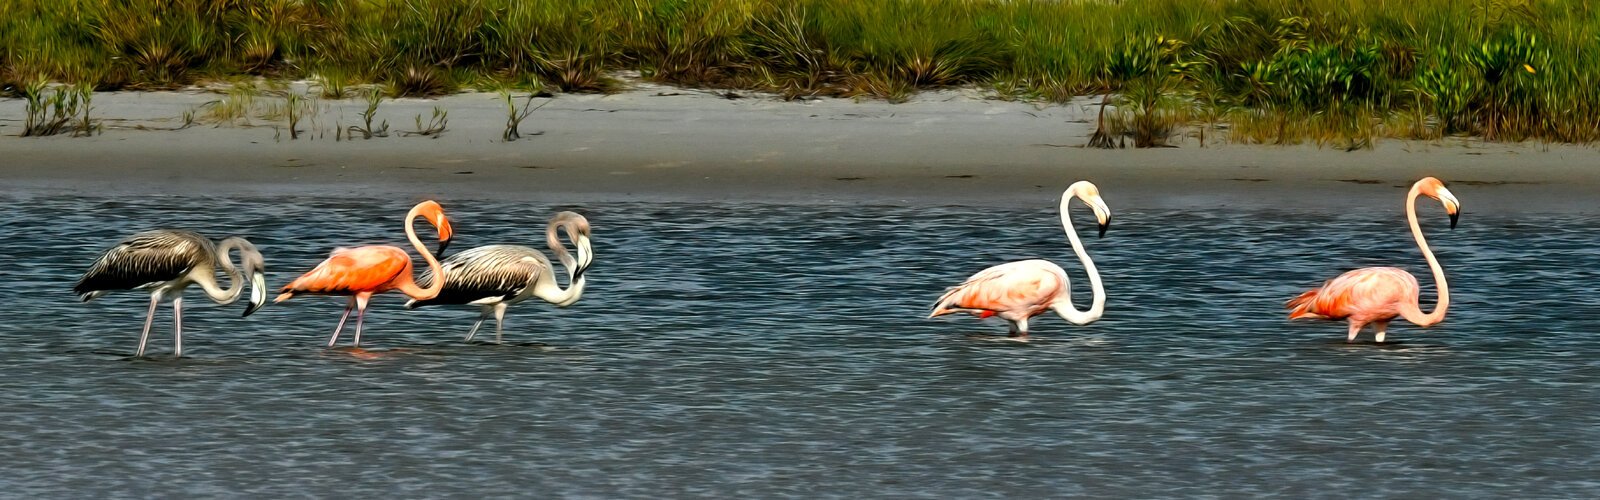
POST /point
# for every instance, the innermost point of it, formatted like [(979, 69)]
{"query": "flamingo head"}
[(434, 213), (255, 266), (577, 229), (1090, 194), (1434, 188)]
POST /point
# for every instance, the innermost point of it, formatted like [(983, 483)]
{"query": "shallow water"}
[(765, 350)]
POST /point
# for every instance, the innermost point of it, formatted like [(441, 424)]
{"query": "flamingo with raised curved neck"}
[(165, 261), (362, 272), (1020, 290), (1376, 295)]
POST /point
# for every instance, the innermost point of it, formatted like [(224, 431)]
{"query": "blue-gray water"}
[(748, 350)]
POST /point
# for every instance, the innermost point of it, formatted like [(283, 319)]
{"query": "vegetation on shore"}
[(1271, 71)]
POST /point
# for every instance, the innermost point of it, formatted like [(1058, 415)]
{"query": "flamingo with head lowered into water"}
[(1376, 295), (165, 261), (362, 272), (1020, 290)]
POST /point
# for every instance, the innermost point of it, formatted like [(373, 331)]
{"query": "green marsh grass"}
[(1293, 70), (295, 106), (515, 116), (436, 124), (236, 107), (373, 97), (57, 109)]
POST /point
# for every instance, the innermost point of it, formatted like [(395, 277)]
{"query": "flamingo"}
[(1020, 290), (362, 272), (496, 276), (1377, 294), (166, 261)]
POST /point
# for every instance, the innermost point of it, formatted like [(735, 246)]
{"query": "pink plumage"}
[(362, 272), (1377, 295), (1013, 291), (1366, 295), (1020, 290)]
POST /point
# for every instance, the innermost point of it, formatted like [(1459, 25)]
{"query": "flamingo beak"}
[(258, 293), (1452, 206), (445, 233), (1102, 214)]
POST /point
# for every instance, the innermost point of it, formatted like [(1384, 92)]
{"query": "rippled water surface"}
[(751, 351)]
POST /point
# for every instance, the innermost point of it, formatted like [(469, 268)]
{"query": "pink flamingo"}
[(1020, 290), (1377, 294), (364, 271)]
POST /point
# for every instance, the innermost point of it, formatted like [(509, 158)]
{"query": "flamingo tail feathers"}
[(1301, 306), (951, 303), (288, 290), (944, 306)]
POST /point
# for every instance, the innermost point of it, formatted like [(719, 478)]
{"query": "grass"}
[(515, 116), (435, 127), (1275, 71), (374, 97), (55, 110), (295, 106), (236, 107)]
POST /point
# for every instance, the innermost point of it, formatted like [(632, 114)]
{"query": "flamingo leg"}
[(1382, 327), (474, 331), (1355, 329), (1019, 329), (361, 313), (499, 320), (177, 326), (342, 319), (149, 316)]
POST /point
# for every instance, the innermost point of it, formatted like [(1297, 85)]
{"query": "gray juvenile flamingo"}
[(495, 276), (165, 261)]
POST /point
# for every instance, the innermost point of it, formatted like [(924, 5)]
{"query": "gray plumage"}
[(146, 260), (496, 276), (165, 262), (487, 272)]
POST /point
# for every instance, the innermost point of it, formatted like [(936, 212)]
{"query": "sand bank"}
[(667, 144)]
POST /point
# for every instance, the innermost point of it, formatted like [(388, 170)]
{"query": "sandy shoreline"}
[(667, 144)]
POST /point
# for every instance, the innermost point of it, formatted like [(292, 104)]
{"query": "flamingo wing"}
[(353, 270), (493, 272), (1368, 292), (1023, 288), (144, 259)]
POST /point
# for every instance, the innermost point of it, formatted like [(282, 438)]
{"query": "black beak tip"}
[(442, 245), (1453, 218), (1103, 228), (249, 310)]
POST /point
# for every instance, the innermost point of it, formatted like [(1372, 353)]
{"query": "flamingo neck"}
[(208, 281), (1064, 306), (548, 290), (1411, 309), (408, 283), (546, 287), (553, 240)]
